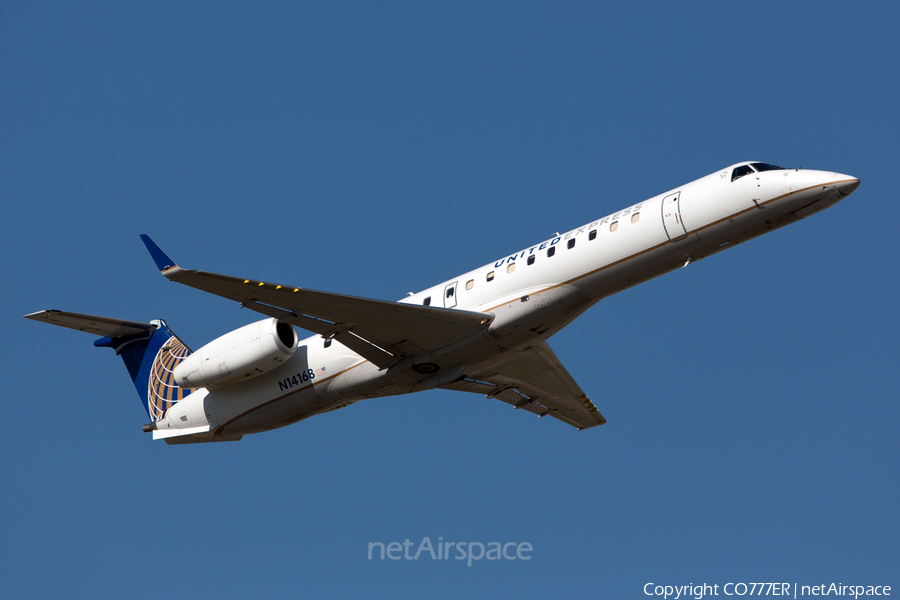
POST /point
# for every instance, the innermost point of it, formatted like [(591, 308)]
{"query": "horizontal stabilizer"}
[(102, 326)]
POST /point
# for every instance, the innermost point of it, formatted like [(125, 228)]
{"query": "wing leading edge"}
[(536, 381), (378, 330)]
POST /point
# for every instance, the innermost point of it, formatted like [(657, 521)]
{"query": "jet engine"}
[(244, 353)]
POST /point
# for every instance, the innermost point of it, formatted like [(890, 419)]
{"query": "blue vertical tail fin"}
[(151, 358), (150, 352)]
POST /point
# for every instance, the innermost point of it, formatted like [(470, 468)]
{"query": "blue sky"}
[(378, 149)]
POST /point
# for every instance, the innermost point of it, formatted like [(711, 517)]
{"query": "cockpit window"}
[(766, 167), (740, 172)]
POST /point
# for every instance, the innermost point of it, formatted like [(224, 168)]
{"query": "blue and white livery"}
[(484, 331)]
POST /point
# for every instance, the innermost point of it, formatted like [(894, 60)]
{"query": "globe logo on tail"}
[(162, 391)]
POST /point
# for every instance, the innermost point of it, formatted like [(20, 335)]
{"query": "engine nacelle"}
[(244, 353)]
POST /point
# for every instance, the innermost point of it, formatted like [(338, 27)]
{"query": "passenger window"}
[(490, 276), (635, 217), (450, 292), (740, 172), (531, 259), (470, 284), (551, 251), (511, 267), (614, 225), (571, 243), (427, 301), (592, 235)]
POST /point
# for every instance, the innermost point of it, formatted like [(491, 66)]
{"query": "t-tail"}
[(150, 352)]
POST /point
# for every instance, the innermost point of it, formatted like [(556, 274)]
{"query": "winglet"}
[(163, 262)]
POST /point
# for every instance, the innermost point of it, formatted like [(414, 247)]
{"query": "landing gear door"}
[(450, 295), (671, 216)]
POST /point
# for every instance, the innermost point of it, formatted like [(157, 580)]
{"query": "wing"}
[(380, 331), (537, 382)]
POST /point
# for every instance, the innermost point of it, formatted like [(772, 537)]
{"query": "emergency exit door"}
[(450, 295)]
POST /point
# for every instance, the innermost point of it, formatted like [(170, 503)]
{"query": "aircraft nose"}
[(845, 184)]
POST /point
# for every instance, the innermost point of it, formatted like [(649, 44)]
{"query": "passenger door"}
[(671, 216)]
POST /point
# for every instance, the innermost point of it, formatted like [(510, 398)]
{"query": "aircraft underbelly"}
[(531, 315), (280, 413)]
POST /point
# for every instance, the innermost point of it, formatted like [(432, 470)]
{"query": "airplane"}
[(482, 332)]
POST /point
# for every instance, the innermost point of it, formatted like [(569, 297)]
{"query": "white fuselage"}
[(533, 293)]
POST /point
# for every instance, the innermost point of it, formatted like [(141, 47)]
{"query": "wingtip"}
[(41, 314), (162, 260)]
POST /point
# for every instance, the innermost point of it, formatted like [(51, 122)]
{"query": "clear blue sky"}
[(377, 149)]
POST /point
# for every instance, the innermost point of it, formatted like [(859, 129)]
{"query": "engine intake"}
[(244, 353)]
